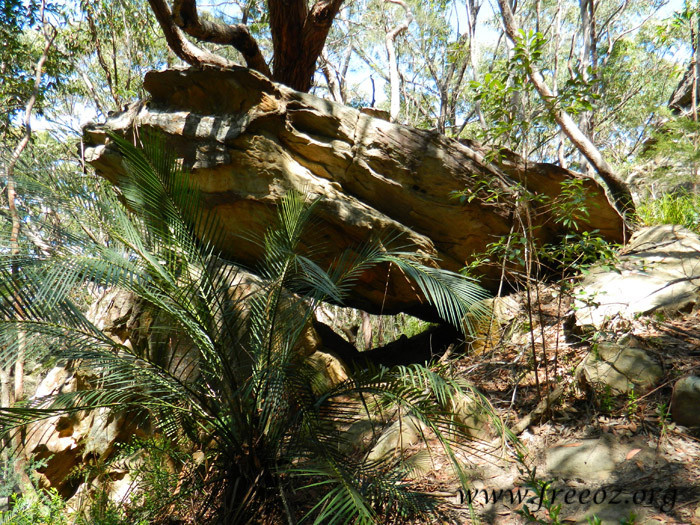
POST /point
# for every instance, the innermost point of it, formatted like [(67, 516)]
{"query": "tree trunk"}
[(5, 396), (247, 140), (586, 65), (619, 191), (390, 41), (298, 36), (12, 198)]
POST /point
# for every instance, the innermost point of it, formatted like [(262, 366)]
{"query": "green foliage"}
[(542, 498), (239, 388), (500, 94), (605, 399), (153, 492), (570, 207), (44, 506), (20, 49), (37, 506), (672, 208), (632, 402), (577, 252), (573, 253)]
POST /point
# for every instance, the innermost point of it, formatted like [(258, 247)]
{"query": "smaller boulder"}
[(400, 435), (685, 402), (589, 459), (331, 370), (620, 368), (658, 271), (474, 414)]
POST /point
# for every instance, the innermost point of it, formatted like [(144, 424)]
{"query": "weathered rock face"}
[(248, 140), (65, 442), (658, 271)]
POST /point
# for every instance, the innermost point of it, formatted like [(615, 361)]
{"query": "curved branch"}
[(185, 16), (177, 42), (619, 191)]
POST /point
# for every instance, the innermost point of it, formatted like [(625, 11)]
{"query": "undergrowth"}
[(671, 208)]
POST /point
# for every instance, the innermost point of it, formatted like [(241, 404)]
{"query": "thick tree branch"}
[(298, 36), (619, 191), (185, 16), (177, 42)]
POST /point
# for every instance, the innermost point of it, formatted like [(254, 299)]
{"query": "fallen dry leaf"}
[(633, 453)]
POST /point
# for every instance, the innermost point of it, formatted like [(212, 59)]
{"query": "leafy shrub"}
[(40, 507)]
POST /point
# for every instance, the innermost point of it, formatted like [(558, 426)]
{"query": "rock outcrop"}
[(620, 369), (248, 140), (84, 438), (658, 271), (67, 445)]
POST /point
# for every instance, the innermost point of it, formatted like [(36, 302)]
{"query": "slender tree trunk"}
[(473, 7), (14, 250), (5, 396), (11, 196), (344, 71), (390, 41), (331, 79), (696, 90), (696, 84), (585, 66), (5, 390), (619, 191), (555, 86)]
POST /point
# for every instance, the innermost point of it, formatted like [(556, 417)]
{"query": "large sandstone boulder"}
[(248, 141), (658, 271)]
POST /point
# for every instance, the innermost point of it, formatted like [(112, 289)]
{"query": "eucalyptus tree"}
[(120, 42), (595, 58), (23, 79)]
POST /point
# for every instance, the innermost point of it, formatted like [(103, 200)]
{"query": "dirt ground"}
[(652, 474)]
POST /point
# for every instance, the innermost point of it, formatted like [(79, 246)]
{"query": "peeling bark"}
[(298, 37)]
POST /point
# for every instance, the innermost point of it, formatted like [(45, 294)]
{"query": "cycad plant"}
[(225, 368)]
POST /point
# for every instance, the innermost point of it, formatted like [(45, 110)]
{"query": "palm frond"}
[(228, 365)]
